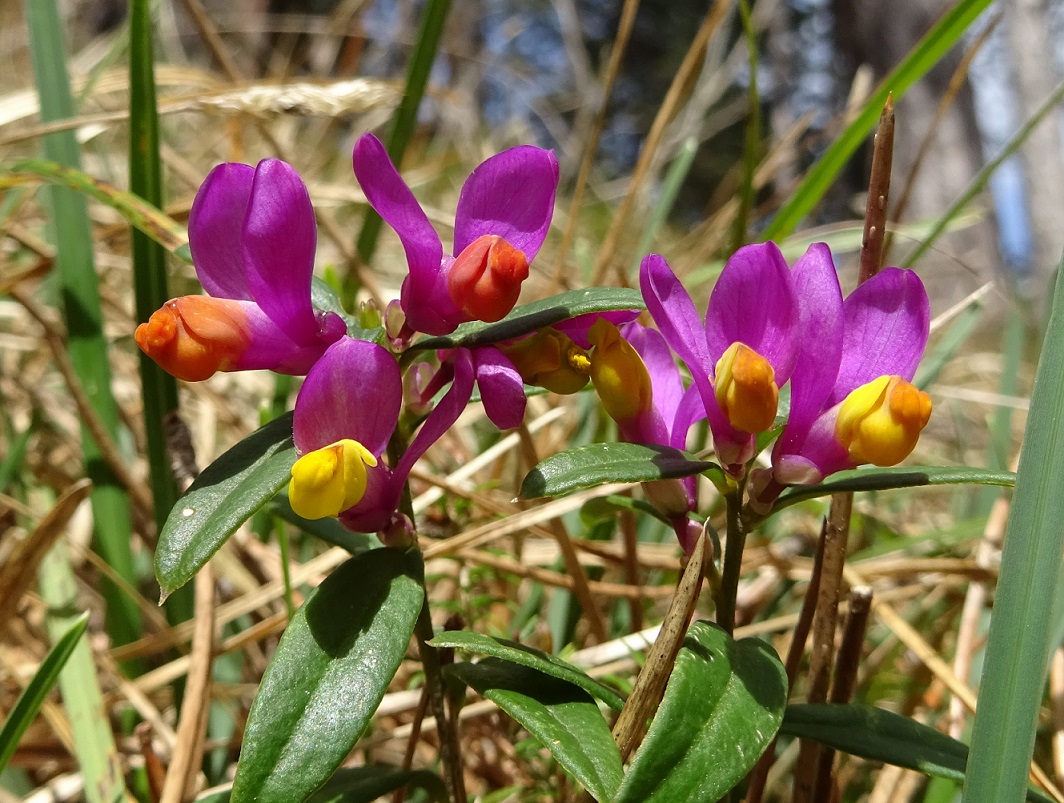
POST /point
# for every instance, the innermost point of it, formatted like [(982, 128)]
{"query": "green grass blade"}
[(936, 42), (979, 181), (83, 315), (29, 702), (670, 188), (1017, 646), (417, 77), (94, 743), (149, 258)]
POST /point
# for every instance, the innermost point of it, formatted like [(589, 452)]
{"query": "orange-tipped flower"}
[(550, 360), (485, 279), (620, 376), (745, 389), (881, 421), (195, 336)]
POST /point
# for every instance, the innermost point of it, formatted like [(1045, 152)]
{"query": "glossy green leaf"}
[(532, 317), (881, 479), (29, 702), (723, 705), (532, 658), (222, 498), (562, 716), (598, 463), (328, 676), (880, 735)]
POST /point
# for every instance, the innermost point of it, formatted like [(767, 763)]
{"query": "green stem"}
[(733, 562), (286, 575)]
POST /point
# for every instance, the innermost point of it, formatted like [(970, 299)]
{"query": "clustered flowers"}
[(849, 361)]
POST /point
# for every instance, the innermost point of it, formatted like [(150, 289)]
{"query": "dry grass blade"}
[(19, 570), (650, 685), (192, 723)]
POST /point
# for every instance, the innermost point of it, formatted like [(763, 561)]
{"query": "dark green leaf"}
[(562, 716), (366, 784), (328, 676), (534, 659), (723, 705), (880, 735), (599, 463), (29, 702), (532, 317), (328, 530), (222, 498), (881, 479)]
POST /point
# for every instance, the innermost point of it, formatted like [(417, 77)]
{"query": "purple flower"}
[(345, 415), (851, 397), (640, 386), (252, 236), (503, 214), (744, 350)]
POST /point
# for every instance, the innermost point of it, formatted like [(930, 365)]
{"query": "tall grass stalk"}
[(928, 51), (1018, 644), (149, 258), (82, 312)]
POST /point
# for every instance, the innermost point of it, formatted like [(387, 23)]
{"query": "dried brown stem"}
[(650, 685), (875, 224)]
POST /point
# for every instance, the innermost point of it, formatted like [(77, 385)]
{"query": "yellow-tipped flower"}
[(745, 387), (880, 422), (329, 480), (619, 374), (549, 359)]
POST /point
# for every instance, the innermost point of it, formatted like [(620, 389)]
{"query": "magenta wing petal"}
[(354, 391), (272, 349), (754, 303), (820, 336), (214, 230), (677, 319), (445, 413), (425, 299), (501, 389), (511, 195), (887, 321), (280, 236)]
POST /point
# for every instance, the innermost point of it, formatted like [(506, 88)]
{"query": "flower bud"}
[(880, 422), (745, 387), (619, 373), (485, 279), (329, 480), (549, 359), (194, 336)]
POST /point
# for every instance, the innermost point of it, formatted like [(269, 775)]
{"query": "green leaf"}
[(222, 498), (723, 705), (328, 676), (1018, 645), (533, 317), (532, 658), (562, 716), (366, 784), (29, 702), (880, 479), (140, 214), (599, 463), (880, 735)]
